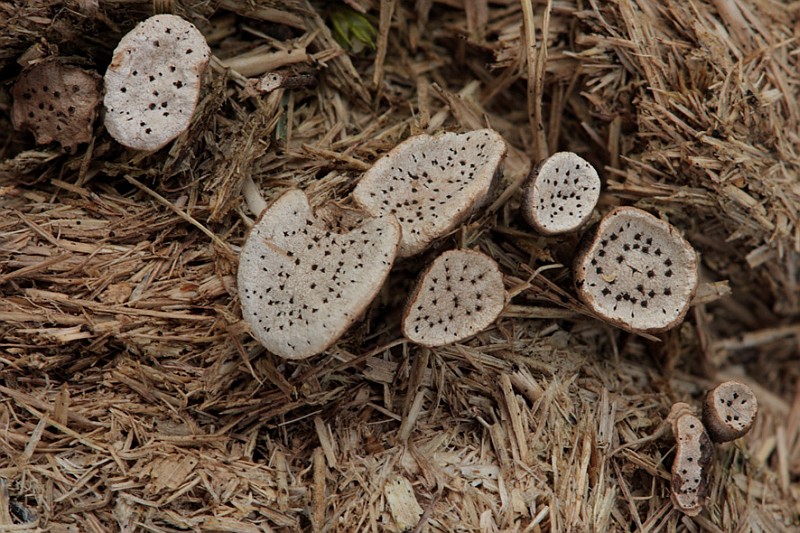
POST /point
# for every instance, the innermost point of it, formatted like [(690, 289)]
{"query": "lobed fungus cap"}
[(431, 184), (561, 194), (690, 468), (153, 82), (637, 272), (56, 102), (460, 294), (729, 411), (302, 285)]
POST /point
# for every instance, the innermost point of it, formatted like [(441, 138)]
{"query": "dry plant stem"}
[(731, 14), (258, 64), (252, 196)]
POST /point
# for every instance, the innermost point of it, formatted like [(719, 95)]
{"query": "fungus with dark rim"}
[(302, 285), (691, 465), (153, 82), (459, 295), (431, 184), (729, 411), (561, 194), (637, 272), (56, 102)]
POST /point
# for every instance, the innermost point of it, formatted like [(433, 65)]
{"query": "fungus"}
[(153, 82), (56, 102), (637, 272), (690, 468), (459, 295), (561, 194), (729, 411), (302, 285), (431, 184)]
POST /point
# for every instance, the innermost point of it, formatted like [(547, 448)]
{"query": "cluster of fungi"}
[(305, 277), (729, 411)]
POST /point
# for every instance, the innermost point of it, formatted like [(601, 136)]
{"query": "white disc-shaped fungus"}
[(561, 194), (302, 285), (431, 184), (729, 411), (153, 82), (460, 294), (637, 272), (56, 102), (690, 468)]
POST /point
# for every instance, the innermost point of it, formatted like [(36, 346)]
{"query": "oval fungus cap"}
[(637, 272), (153, 82), (301, 285), (691, 466), (459, 295), (729, 411), (431, 184), (561, 194), (56, 102)]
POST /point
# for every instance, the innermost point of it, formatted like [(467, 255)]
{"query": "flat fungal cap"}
[(56, 102), (459, 295), (153, 82), (561, 194), (729, 411), (637, 272), (690, 468), (431, 184), (301, 285)]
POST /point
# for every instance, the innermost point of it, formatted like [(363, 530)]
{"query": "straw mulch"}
[(132, 398)]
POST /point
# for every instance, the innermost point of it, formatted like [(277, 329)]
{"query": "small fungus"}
[(459, 295), (637, 272), (431, 184), (302, 285), (729, 411), (56, 102), (153, 82), (561, 194), (691, 466)]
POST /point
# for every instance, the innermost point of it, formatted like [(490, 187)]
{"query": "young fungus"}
[(431, 184)]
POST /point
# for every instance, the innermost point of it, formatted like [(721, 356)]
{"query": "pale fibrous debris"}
[(301, 285), (432, 183), (691, 466), (637, 272), (56, 102), (153, 82), (729, 411), (460, 294), (561, 194)]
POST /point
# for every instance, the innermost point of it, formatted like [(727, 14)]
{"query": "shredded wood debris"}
[(132, 397)]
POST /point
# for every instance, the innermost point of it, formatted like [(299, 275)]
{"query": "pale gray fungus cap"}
[(460, 294), (301, 284), (153, 82), (637, 272), (432, 183)]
